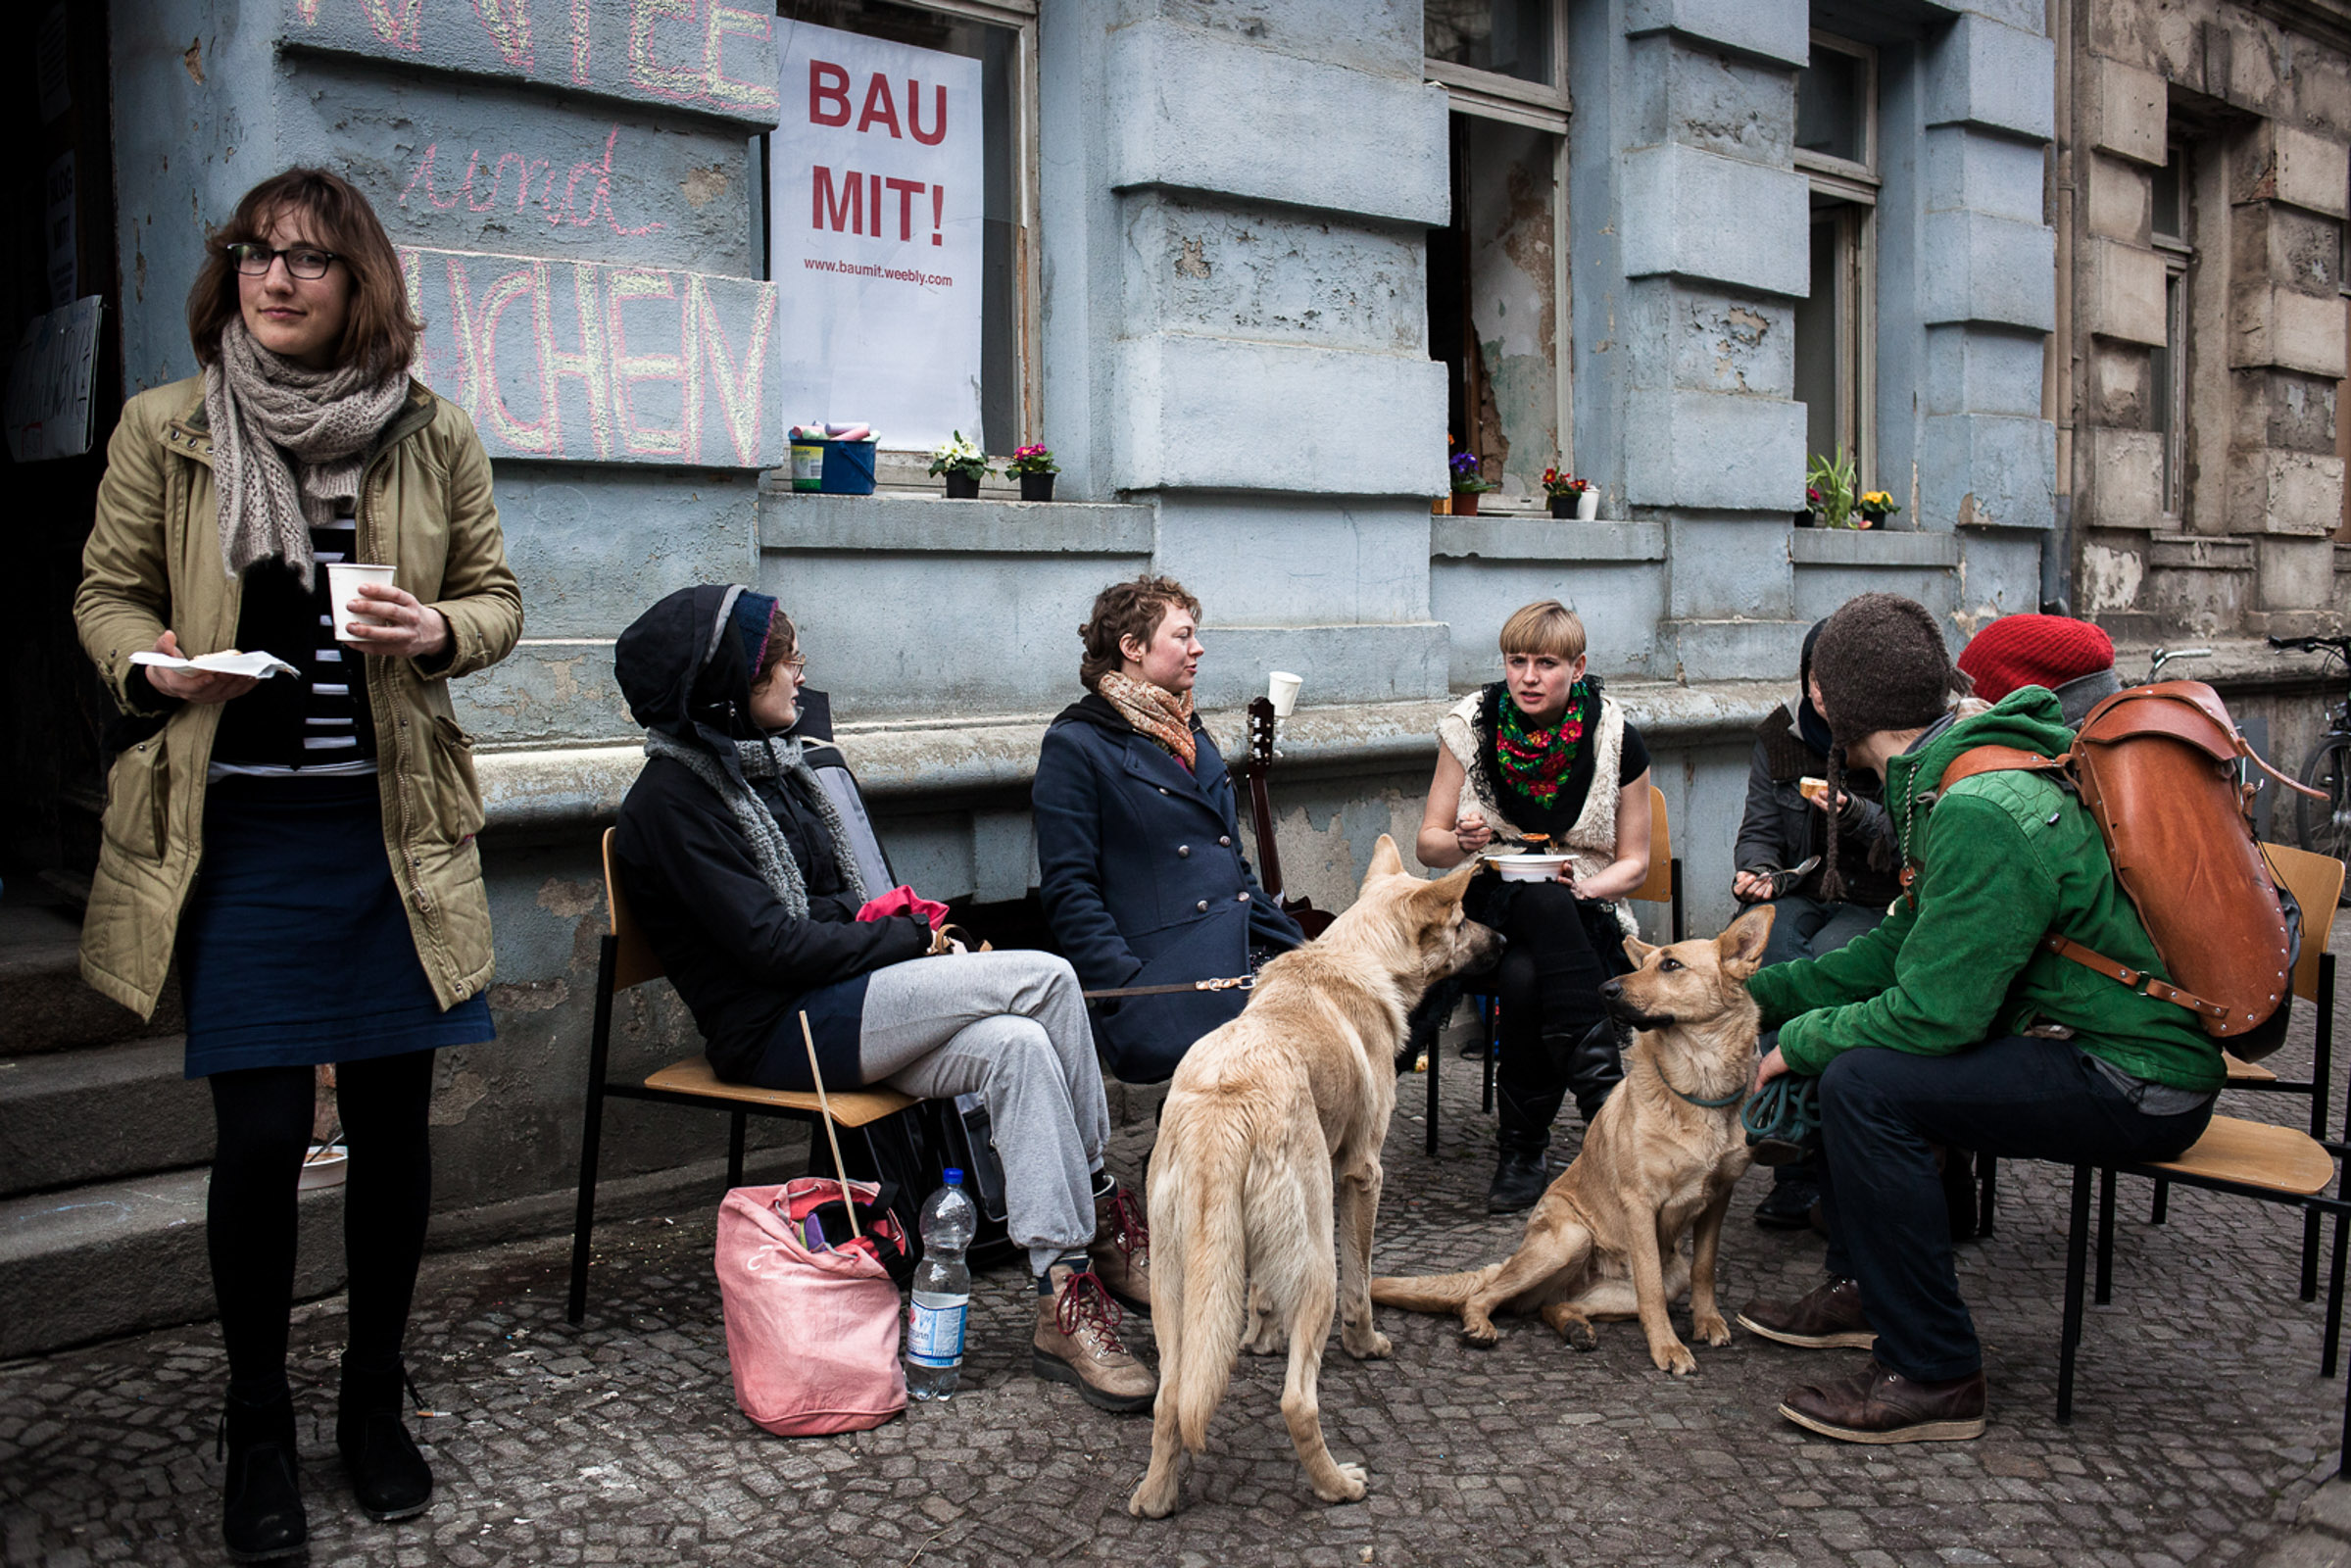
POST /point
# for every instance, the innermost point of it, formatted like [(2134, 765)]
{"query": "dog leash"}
[(1239, 982), (1730, 1098)]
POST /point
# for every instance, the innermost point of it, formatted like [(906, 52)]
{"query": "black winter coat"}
[(1144, 882), (740, 961)]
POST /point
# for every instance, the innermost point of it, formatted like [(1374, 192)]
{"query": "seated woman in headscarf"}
[(742, 874), (1543, 751)]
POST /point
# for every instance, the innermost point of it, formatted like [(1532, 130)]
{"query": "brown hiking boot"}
[(1828, 1317), (1077, 1343), (1875, 1405), (1121, 1249)]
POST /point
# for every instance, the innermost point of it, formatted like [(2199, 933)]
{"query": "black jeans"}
[(2018, 1097), (1550, 984), (264, 1120)]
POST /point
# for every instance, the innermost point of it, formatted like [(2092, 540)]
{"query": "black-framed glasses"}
[(306, 262)]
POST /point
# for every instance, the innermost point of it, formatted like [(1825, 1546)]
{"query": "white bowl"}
[(326, 1169), (1520, 866)]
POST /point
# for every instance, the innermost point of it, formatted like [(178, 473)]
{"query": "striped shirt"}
[(316, 722)]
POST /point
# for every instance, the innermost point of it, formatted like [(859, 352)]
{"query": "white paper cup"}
[(343, 579), (1283, 689)]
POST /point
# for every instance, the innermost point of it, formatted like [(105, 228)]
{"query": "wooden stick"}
[(830, 1135)]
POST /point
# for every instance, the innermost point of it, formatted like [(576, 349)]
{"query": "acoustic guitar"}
[(1261, 722)]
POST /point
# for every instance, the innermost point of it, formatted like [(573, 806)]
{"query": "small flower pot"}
[(1465, 502), (1037, 486), (1873, 520), (1563, 505), (1588, 507), (962, 486), (1805, 518)]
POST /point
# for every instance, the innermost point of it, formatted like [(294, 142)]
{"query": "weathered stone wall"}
[(2259, 114)]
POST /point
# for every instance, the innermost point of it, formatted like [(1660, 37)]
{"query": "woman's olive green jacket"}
[(154, 564)]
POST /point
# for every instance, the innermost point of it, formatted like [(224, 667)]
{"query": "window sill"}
[(882, 522)]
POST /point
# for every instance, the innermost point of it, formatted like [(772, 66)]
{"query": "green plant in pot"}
[(1469, 483), (1832, 488), (964, 463), (1876, 505), (1035, 468)]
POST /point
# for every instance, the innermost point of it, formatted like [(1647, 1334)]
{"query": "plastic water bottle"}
[(942, 1292)]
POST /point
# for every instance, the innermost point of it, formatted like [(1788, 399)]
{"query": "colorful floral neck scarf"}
[(1155, 711), (1535, 760)]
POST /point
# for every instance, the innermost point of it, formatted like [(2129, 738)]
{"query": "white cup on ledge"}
[(1283, 687)]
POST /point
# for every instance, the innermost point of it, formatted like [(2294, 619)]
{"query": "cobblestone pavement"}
[(2202, 1428)]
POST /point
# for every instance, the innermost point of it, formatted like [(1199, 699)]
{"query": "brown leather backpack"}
[(2156, 767)]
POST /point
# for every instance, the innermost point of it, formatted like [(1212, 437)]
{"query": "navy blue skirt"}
[(294, 947)]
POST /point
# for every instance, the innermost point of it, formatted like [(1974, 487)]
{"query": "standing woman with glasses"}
[(303, 845)]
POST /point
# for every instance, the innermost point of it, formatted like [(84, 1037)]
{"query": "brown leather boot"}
[(1878, 1406), (1121, 1249), (1077, 1343), (1826, 1317)]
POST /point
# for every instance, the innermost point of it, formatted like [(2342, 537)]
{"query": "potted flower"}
[(1876, 505), (1570, 496), (1832, 490), (1469, 483), (964, 463), (1805, 514), (1036, 468)]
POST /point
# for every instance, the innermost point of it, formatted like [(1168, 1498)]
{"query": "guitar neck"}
[(1260, 762)]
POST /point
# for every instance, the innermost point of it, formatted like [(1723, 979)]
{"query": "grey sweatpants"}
[(1010, 1027)]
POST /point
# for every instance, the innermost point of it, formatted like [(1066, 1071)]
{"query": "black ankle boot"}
[(261, 1500), (1520, 1174), (388, 1475)]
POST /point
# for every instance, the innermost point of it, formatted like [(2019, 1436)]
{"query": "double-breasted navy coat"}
[(1144, 882)]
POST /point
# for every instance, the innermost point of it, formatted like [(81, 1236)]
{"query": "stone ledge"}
[(1544, 538), (1871, 547), (794, 521), (903, 762), (2199, 551)]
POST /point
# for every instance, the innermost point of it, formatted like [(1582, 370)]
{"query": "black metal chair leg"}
[(2335, 1304), (2105, 1237), (591, 1135), (734, 1150), (2160, 1209), (2310, 1254), (2076, 1257), (1437, 1054)]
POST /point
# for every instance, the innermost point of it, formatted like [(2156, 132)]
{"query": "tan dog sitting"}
[(1658, 1161), (1272, 1122)]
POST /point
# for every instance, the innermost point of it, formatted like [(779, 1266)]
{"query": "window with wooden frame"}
[(1837, 326), (2168, 226), (1000, 37), (1497, 271)]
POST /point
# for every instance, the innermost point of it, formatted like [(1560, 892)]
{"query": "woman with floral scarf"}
[(1544, 758)]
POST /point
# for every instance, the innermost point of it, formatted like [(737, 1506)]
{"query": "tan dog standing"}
[(1271, 1122), (1660, 1159)]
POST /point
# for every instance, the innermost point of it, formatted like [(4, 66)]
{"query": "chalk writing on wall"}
[(589, 363), (485, 186), (716, 55)]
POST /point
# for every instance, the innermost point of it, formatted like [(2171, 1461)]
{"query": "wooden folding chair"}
[(2253, 1159), (625, 959), (1664, 886)]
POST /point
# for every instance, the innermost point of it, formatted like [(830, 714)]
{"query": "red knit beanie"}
[(2017, 651)]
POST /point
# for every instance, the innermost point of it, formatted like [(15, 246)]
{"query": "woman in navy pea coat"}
[(1143, 881)]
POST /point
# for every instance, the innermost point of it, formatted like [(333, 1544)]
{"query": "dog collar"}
[(1730, 1098)]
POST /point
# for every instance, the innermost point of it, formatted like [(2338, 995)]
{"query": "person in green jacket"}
[(1948, 1024)]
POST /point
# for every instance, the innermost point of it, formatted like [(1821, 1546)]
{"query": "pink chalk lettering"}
[(644, 284), (566, 212), (508, 23)]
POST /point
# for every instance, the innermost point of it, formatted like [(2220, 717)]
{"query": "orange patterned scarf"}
[(1153, 711)]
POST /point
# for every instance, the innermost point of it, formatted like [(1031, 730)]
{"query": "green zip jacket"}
[(2002, 860)]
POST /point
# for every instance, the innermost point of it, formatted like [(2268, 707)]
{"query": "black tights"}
[(1550, 984), (263, 1116)]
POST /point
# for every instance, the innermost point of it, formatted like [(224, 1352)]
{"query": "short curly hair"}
[(1127, 609)]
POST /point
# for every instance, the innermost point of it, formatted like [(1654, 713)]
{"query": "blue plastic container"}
[(849, 468)]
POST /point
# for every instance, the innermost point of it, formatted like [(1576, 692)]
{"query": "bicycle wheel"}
[(2325, 826)]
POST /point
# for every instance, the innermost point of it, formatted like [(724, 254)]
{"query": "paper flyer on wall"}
[(48, 403), (875, 210)]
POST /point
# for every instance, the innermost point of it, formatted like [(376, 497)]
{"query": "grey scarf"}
[(287, 445), (770, 760)]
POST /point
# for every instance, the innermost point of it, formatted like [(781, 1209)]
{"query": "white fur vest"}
[(1590, 844)]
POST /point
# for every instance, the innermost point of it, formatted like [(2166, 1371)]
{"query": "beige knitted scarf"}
[(1153, 711), (288, 443)]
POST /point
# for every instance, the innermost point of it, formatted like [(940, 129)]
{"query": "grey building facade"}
[(1247, 268)]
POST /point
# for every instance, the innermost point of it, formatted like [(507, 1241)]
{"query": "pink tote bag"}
[(813, 1337)]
